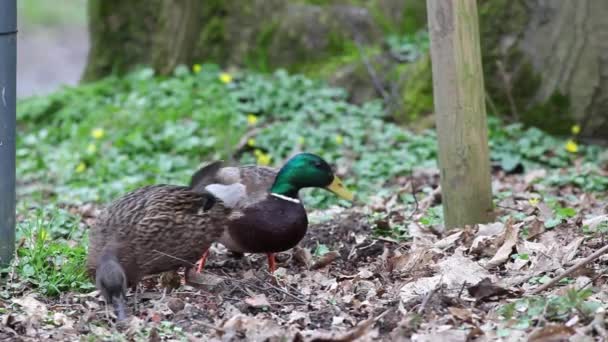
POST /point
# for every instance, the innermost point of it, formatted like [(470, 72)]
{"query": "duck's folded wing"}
[(256, 180), (206, 175)]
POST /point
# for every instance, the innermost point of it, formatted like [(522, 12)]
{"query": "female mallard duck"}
[(273, 218), (154, 229)]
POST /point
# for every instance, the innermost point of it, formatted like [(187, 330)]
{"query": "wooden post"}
[(460, 112), (8, 66)]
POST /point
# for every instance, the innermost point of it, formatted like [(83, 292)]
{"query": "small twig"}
[(416, 204), (428, 297), (425, 202), (352, 253), (372, 73), (385, 239), (170, 256), (282, 290), (245, 139), (211, 326), (570, 270), (507, 85), (592, 281), (464, 284), (508, 208), (491, 104)]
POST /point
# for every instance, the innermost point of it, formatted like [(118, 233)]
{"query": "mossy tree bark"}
[(546, 62), (125, 34), (260, 34)]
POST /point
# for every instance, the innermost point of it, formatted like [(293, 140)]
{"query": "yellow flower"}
[(98, 133), (251, 142), (264, 159), (339, 139), (576, 129), (301, 140), (571, 146), (534, 201), (225, 77), (81, 167), (257, 152), (197, 68), (91, 148), (43, 235), (252, 119)]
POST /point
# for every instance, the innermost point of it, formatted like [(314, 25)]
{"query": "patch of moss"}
[(345, 55), (258, 58), (491, 12), (525, 81), (553, 116), (213, 40), (414, 17), (417, 92)]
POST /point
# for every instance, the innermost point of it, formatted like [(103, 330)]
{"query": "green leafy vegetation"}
[(408, 48), (61, 12), (51, 256), (525, 313), (94, 142)]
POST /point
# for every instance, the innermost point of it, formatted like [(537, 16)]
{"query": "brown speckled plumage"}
[(155, 229)]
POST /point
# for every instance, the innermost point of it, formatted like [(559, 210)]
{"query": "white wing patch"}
[(231, 194)]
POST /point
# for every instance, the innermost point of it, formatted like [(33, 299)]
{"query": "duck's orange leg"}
[(272, 264), (202, 261)]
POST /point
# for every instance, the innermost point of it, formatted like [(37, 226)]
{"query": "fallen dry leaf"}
[(510, 239), (552, 332), (534, 175), (535, 228), (448, 335), (448, 241), (258, 301), (545, 212), (325, 260), (31, 305), (207, 281), (593, 222), (488, 239), (485, 289), (303, 256), (454, 271), (462, 314)]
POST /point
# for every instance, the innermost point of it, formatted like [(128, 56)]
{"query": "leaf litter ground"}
[(381, 271)]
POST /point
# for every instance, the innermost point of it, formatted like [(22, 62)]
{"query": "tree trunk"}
[(263, 34), (125, 34), (546, 62), (462, 128)]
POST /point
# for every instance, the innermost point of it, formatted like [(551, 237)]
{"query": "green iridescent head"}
[(307, 170)]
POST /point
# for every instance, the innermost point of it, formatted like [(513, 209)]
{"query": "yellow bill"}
[(339, 189)]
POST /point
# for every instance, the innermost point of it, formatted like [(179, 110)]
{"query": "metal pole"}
[(8, 78)]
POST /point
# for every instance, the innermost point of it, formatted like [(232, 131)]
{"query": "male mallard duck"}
[(273, 218), (150, 230)]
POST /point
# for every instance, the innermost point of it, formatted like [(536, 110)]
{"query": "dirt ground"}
[(447, 286)]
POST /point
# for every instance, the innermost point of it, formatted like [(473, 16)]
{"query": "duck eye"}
[(318, 164)]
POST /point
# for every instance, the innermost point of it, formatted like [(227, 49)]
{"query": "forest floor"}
[(345, 283), (382, 268)]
